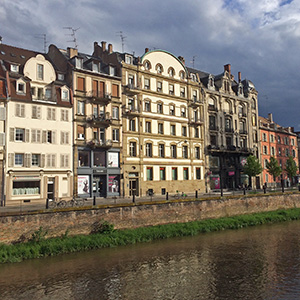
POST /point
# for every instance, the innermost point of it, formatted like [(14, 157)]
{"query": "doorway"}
[(133, 187), (99, 186), (50, 189)]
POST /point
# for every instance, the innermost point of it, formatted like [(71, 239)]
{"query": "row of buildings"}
[(112, 124)]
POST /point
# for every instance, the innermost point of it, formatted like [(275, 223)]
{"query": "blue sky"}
[(259, 38)]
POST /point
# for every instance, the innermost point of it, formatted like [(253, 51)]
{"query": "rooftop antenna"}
[(74, 40), (120, 33), (42, 36), (193, 61)]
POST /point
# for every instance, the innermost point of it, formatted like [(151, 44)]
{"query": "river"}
[(253, 263)]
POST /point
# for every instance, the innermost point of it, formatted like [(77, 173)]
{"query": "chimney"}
[(103, 45), (227, 68), (72, 52), (146, 50), (240, 76), (181, 58), (110, 48), (270, 117)]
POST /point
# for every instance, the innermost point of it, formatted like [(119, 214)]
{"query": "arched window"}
[(171, 72), (182, 75), (147, 65), (159, 68)]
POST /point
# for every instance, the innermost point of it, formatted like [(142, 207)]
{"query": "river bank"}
[(106, 236)]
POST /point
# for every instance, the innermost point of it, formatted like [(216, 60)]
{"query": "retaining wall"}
[(16, 228)]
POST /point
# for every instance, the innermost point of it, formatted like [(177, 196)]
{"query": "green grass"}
[(39, 246)]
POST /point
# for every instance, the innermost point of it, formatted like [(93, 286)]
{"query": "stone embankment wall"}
[(16, 228)]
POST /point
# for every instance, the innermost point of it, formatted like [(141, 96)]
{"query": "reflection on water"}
[(256, 263)]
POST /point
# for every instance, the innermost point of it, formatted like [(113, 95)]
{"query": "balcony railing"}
[(98, 96), (243, 131), (94, 143), (104, 119), (196, 121), (215, 128), (230, 130), (131, 110), (131, 89)]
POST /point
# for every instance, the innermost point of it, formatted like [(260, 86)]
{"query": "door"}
[(50, 189), (99, 186), (133, 187)]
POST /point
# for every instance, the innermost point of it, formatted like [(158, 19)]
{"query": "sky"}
[(259, 38)]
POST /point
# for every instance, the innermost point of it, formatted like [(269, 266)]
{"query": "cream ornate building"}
[(38, 127)]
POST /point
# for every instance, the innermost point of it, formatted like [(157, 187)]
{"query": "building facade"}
[(97, 141), (281, 143), (38, 129)]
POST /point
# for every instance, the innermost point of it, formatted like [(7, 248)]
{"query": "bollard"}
[(47, 203), (244, 190), (196, 194), (282, 188), (299, 187), (133, 198), (265, 189), (94, 200), (167, 196)]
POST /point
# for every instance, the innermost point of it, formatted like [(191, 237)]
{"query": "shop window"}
[(26, 187), (99, 159), (113, 183), (83, 158)]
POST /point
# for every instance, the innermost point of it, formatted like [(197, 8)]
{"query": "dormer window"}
[(48, 94), (79, 63), (171, 72), (128, 59), (14, 68), (112, 71), (96, 67), (61, 77), (181, 74), (211, 81), (193, 77), (21, 87), (64, 95), (147, 65), (159, 68), (40, 72)]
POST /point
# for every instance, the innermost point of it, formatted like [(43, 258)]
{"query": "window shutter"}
[(23, 110), (2, 139), (38, 112), (44, 136), (42, 161), (27, 161), (26, 135), (11, 159), (53, 137), (67, 115), (67, 161), (17, 110), (67, 137), (53, 114), (11, 134), (2, 113), (48, 113), (61, 160), (33, 135), (62, 138), (48, 160), (62, 115), (53, 160)]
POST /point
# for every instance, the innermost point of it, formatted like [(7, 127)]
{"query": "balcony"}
[(229, 130), (131, 89), (243, 131), (131, 111), (212, 108), (213, 128), (101, 120), (197, 121), (195, 103), (242, 115), (98, 97), (94, 143)]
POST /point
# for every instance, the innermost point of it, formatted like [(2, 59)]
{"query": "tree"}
[(273, 167), (252, 167), (291, 168)]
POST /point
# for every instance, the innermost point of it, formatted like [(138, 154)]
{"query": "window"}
[(20, 110), (48, 136), (115, 113), (162, 172), (147, 65), (211, 104), (287, 152), (40, 94), (51, 114), (131, 80), (115, 135), (132, 149), (286, 140), (149, 173), (174, 174), (293, 142), (65, 95), (20, 134), (159, 86), (212, 122), (64, 138), (99, 159), (272, 138), (197, 152), (48, 94), (161, 150), (265, 163), (171, 89), (79, 62), (279, 151), (51, 160), (147, 106), (265, 150), (132, 125), (19, 160), (182, 92), (185, 173), (184, 131), (64, 160), (159, 69), (96, 67), (112, 71), (148, 127), (35, 135), (80, 132), (293, 153), (198, 173), (61, 77), (228, 140), (195, 96), (183, 112), (173, 130), (40, 72), (21, 87), (185, 151), (64, 115), (196, 132), (172, 110), (159, 108), (128, 59), (131, 104), (148, 149), (278, 140), (83, 158), (160, 128), (181, 74), (264, 137), (147, 83), (36, 112), (14, 68), (35, 160), (228, 124), (272, 151), (171, 72), (213, 140), (173, 151)]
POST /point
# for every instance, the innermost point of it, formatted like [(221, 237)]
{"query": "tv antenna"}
[(120, 33), (42, 36), (193, 61), (74, 40)]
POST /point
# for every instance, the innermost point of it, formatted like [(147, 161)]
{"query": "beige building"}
[(38, 156), (162, 126)]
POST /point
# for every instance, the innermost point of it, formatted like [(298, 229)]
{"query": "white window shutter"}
[(26, 135), (53, 137), (11, 134), (44, 136), (2, 139), (2, 114)]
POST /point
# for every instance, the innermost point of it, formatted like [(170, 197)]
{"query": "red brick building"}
[(279, 142)]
